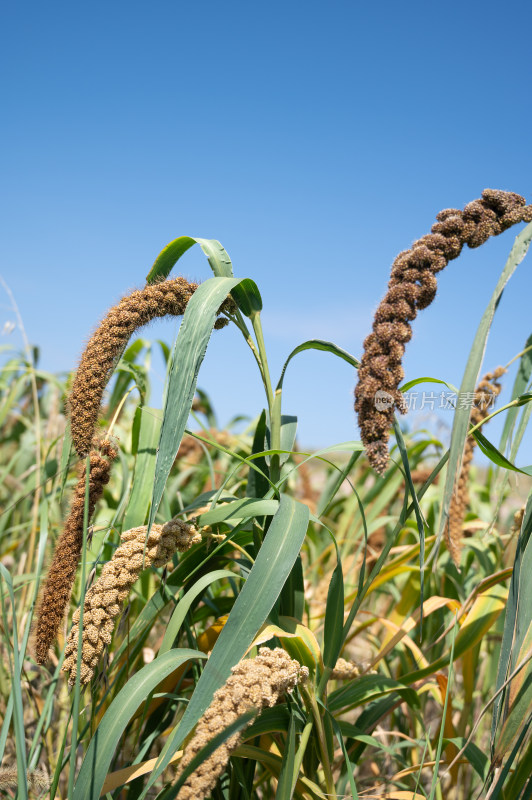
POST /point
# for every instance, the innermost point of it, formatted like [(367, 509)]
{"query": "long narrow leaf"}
[(262, 588), (318, 344), (188, 355), (218, 258), (103, 744)]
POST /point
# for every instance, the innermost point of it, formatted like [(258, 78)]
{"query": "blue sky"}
[(314, 140)]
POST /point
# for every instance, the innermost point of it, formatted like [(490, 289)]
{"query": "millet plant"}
[(213, 613)]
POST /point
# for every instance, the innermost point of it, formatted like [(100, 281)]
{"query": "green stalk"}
[(238, 319), (257, 328), (305, 736), (273, 400), (310, 701)]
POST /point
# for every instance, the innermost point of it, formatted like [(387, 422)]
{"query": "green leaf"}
[(419, 516), (247, 296), (216, 255), (246, 508), (267, 576), (336, 725), (178, 617), (416, 381), (292, 598), (318, 344), (123, 368), (257, 485), (187, 357), (522, 379), (145, 434), (333, 484), (103, 744), (334, 615), (514, 705), (496, 456), (287, 440), (462, 414), (123, 376), (367, 688), (287, 779), (476, 757)]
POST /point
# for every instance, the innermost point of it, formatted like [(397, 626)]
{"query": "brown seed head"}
[(60, 579), (104, 599), (347, 670), (412, 287), (518, 520), (37, 779), (255, 683), (108, 342), (485, 393)]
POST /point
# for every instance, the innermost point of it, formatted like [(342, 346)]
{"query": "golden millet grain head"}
[(57, 588), (412, 287), (518, 520), (255, 683), (486, 391), (106, 345), (104, 599), (346, 670), (37, 779)]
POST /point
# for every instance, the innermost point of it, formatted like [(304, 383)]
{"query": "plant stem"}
[(310, 701), (274, 401), (259, 355), (257, 328)]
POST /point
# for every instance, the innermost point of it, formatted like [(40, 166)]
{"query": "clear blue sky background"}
[(314, 140)]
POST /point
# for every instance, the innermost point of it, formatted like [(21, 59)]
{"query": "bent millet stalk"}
[(412, 287), (106, 345), (104, 348)]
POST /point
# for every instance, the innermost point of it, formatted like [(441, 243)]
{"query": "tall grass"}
[(418, 669)]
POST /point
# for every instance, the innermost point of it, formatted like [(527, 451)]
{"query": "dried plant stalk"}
[(485, 393), (412, 287), (102, 601), (255, 683), (107, 344), (60, 579)]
